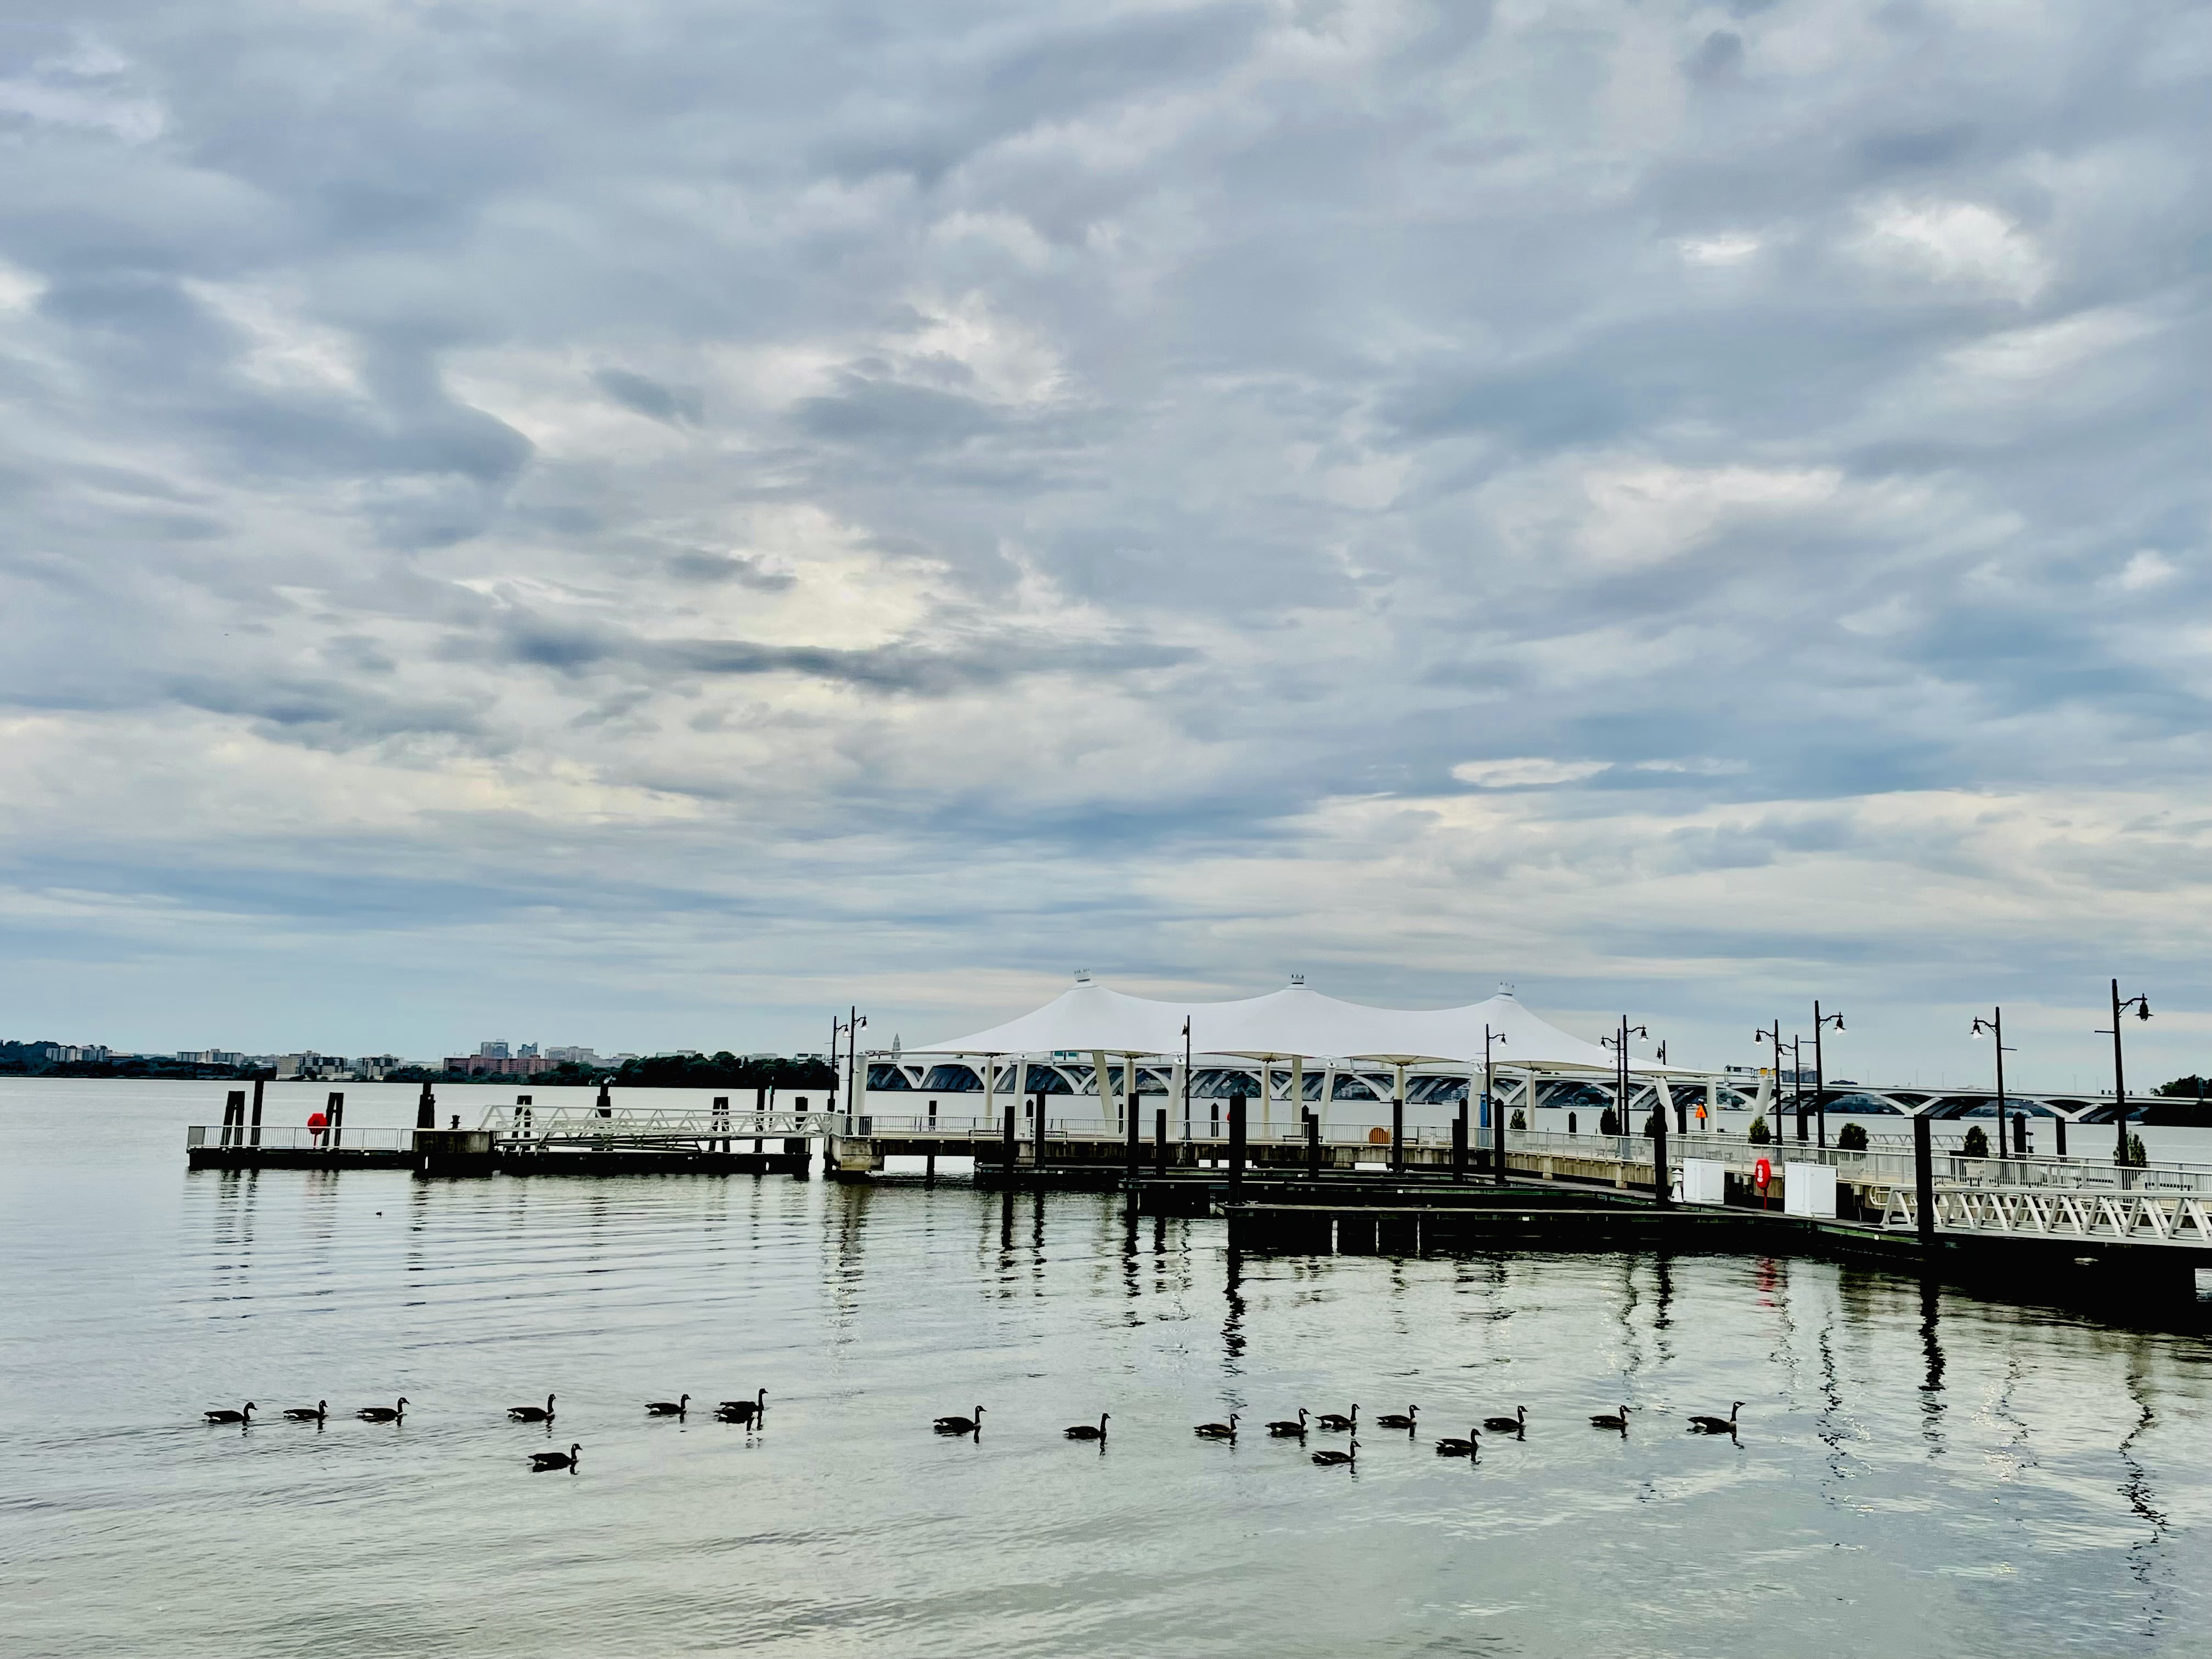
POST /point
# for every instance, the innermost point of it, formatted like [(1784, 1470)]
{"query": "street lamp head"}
[(2142, 1008), (1839, 1022)]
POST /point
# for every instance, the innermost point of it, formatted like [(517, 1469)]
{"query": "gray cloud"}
[(1089, 478)]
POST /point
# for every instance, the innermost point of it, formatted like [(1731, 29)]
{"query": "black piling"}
[(426, 1108), (234, 1117), (1398, 1135), (606, 1103), (1036, 1147), (1459, 1143), (1663, 1189), (1160, 1141), (2058, 1128), (334, 1116), (256, 1110), (1008, 1144), (1236, 1146), (1923, 1181), (1497, 1135), (719, 1118), (1136, 1135), (1313, 1143)]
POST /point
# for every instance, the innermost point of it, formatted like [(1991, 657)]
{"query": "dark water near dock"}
[(1917, 1474)]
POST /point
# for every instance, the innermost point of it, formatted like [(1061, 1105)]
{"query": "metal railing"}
[(556, 1124), (296, 1137), (2128, 1217)]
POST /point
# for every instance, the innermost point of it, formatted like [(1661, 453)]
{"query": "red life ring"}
[(317, 1121), (1761, 1173)]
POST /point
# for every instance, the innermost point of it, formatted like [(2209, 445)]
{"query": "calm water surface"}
[(1917, 1474)]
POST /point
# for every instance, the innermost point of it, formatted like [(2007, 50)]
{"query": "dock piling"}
[(234, 1117), (1398, 1133), (1160, 1141), (1236, 1146), (1663, 1189), (1923, 1181), (257, 1109), (334, 1116), (1007, 1141), (1459, 1144), (1313, 1143), (426, 1108)]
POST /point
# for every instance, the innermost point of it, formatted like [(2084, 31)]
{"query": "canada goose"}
[(542, 1461), (1448, 1446), (1516, 1423), (314, 1413), (1610, 1420), (1284, 1429), (383, 1413), (1349, 1455), (960, 1424), (743, 1411), (1399, 1419), (246, 1416), (1702, 1423), (1218, 1431), (1084, 1431), (676, 1407), (1337, 1423), (532, 1414)]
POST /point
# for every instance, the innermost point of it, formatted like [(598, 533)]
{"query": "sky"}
[(641, 525)]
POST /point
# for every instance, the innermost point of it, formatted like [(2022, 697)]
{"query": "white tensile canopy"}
[(1295, 1022)]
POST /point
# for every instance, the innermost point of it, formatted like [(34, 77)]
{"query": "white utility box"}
[(1809, 1189), (1704, 1181)]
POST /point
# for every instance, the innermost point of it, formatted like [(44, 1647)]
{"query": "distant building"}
[(211, 1056), (64, 1053), (570, 1056), (492, 1050), (527, 1051), (374, 1068), (309, 1064), (498, 1065)]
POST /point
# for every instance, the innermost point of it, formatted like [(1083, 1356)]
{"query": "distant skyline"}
[(649, 524)]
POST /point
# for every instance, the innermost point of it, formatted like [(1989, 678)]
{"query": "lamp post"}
[(1773, 1033), (1820, 1072), (1994, 1027), (2120, 1006), (849, 1028), (1619, 1044), (1797, 1082)]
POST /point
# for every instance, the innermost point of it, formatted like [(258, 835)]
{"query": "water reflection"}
[(1931, 1363), (1232, 1322)]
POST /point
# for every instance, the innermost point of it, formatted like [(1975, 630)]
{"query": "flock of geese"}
[(751, 1413), (1348, 1423), (754, 1412)]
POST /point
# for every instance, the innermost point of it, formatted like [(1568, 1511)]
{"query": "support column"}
[(1160, 1141), (1398, 1124), (1923, 1181)]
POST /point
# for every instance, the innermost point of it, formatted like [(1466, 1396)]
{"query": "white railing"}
[(544, 1124), (296, 1137), (2129, 1217)]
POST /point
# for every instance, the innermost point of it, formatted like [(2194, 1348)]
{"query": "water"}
[(1917, 1474)]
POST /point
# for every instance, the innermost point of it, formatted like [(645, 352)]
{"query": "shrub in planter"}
[(1760, 1133), (1517, 1121), (1852, 1138), (1608, 1122), (1978, 1144)]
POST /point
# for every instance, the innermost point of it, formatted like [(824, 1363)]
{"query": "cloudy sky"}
[(639, 524)]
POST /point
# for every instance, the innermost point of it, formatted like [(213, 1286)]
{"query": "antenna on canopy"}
[(1297, 978), (1083, 976), (1505, 987)]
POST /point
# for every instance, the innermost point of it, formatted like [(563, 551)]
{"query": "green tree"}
[(1978, 1144), (1852, 1138), (1760, 1133)]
